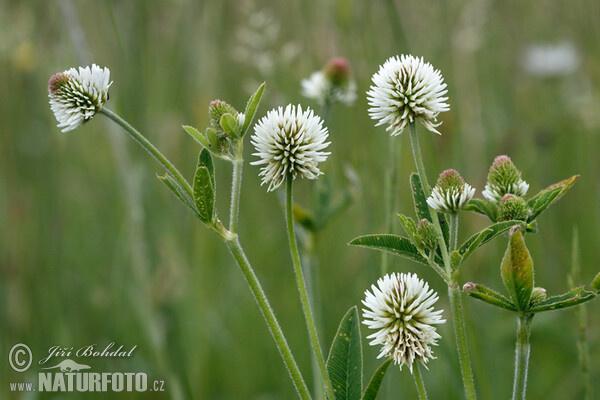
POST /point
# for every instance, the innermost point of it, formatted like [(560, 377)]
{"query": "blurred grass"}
[(68, 252)]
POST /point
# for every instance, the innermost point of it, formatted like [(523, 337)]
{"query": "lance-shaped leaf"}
[(489, 296), (394, 244), (375, 382), (251, 107), (204, 187), (422, 208), (484, 236), (572, 298), (198, 137), (549, 196), (483, 207), (345, 363), (409, 225), (517, 270)]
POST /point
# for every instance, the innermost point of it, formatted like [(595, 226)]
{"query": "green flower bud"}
[(216, 110), (538, 295), (427, 234), (337, 70), (513, 208)]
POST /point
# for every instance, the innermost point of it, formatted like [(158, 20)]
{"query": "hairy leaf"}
[(375, 382), (572, 298), (517, 270), (549, 196), (204, 187), (393, 244), (484, 236), (197, 136), (251, 107), (489, 296)]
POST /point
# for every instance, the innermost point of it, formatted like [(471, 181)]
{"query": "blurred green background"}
[(95, 250)]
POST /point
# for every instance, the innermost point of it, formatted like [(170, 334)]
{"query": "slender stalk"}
[(149, 147), (419, 381), (391, 178), (522, 356), (310, 323), (233, 244), (454, 292), (236, 184), (453, 222), (238, 253), (461, 341)]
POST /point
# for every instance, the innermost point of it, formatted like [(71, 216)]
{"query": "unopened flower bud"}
[(504, 178), (428, 235), (332, 84), (450, 193), (513, 207), (538, 295), (337, 70)]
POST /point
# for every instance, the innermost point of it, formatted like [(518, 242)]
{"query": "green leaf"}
[(196, 135), (549, 196), (572, 298), (483, 207), (375, 382), (178, 191), (455, 260), (484, 236), (409, 225), (517, 270), (421, 206), (345, 361), (204, 187), (394, 244), (251, 107), (489, 296), (230, 125)]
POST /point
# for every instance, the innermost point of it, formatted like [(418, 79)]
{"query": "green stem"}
[(310, 323), (419, 381), (453, 222), (149, 147), (390, 199), (461, 341), (236, 184), (238, 253), (522, 356)]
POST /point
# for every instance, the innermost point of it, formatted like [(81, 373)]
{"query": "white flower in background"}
[(407, 89), (451, 193), (289, 142), (504, 178), (77, 95), (547, 60), (400, 308), (332, 84)]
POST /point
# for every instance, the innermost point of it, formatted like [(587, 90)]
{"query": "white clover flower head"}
[(77, 95), (289, 142), (407, 89), (504, 178), (400, 308), (451, 193), (333, 84)]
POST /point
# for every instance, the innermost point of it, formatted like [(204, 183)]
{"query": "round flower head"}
[(451, 192), (513, 207), (504, 178), (333, 83), (400, 308), (77, 95), (407, 89), (289, 142)]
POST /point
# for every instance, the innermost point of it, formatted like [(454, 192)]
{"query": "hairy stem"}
[(236, 184), (238, 253), (461, 341), (419, 381), (522, 356), (453, 222), (149, 147), (310, 323)]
